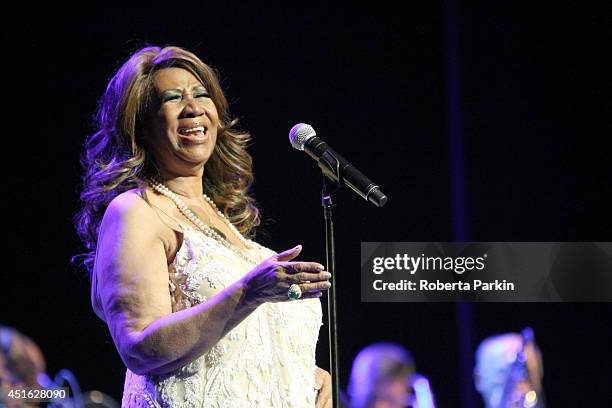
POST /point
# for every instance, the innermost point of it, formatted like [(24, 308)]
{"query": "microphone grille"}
[(299, 134)]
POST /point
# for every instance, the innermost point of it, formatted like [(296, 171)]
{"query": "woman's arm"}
[(132, 272)]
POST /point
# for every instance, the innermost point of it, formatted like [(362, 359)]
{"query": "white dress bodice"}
[(268, 360)]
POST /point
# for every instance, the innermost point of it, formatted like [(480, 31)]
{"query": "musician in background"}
[(383, 376), (509, 371), (21, 364)]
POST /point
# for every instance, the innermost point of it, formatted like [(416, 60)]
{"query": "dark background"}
[(370, 79)]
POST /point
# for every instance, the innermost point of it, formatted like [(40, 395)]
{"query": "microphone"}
[(335, 167), (422, 397)]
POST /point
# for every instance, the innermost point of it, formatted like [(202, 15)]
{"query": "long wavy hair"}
[(115, 157)]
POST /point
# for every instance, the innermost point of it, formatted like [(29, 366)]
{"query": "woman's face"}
[(184, 123)]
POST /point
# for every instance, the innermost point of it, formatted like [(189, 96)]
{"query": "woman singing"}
[(201, 315)]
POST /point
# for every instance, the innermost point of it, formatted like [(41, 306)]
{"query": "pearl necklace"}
[(208, 231)]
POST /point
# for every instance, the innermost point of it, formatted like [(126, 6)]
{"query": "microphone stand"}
[(330, 254)]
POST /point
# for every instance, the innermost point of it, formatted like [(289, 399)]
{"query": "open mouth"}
[(192, 130), (195, 134)]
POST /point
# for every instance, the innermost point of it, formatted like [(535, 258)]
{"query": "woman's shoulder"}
[(131, 209), (128, 204), (140, 218)]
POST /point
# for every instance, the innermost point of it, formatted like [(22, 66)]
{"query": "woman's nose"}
[(192, 109)]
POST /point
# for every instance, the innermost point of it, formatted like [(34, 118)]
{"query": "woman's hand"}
[(324, 389), (270, 280)]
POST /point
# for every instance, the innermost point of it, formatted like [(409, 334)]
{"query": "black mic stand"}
[(330, 254)]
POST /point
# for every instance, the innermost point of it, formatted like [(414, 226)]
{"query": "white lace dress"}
[(268, 360)]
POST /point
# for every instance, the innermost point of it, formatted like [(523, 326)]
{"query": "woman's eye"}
[(171, 98), (202, 95)]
